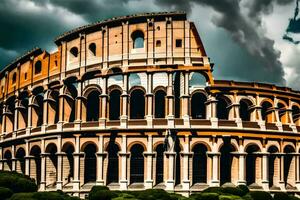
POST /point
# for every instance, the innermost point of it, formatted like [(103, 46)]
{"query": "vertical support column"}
[(149, 157), (281, 180), (43, 167), (123, 154), (100, 158), (16, 117), (59, 164), (78, 108), (3, 128), (265, 169), (76, 154), (103, 104), (27, 159), (170, 183), (124, 105), (45, 112), (61, 113), (125, 43), (242, 158), (1, 158), (297, 170), (29, 116), (13, 158), (276, 115), (149, 101), (170, 101), (185, 107), (211, 107), (215, 171), (186, 155)]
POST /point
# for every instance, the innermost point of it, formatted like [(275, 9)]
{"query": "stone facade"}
[(131, 103)]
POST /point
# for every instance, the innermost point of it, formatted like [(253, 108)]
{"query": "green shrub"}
[(244, 189), (260, 195), (5, 193), (22, 196), (247, 197), (206, 196), (293, 198), (217, 190), (281, 196), (230, 197), (17, 182), (155, 194), (233, 190), (100, 195)]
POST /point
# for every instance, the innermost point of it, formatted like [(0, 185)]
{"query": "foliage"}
[(260, 195), (5, 193), (17, 182)]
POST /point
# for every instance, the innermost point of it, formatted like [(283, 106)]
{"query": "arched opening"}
[(226, 161), (70, 106), (137, 164), (20, 156), (159, 176), (22, 122), (35, 164), (273, 164), (92, 107), (177, 150), (137, 104), (90, 163), (8, 161), (138, 39), (14, 78), (10, 114), (266, 111), (245, 112), (199, 164), (53, 116), (289, 166), (38, 109), (68, 163), (38, 67), (74, 52), (222, 108), (92, 48), (252, 164), (51, 165), (160, 103), (198, 108), (296, 114), (176, 88), (197, 80), (282, 112), (114, 105), (113, 162)]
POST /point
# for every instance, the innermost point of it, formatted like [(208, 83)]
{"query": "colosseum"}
[(131, 103)]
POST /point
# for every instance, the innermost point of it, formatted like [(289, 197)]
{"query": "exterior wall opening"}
[(273, 163), (8, 161), (92, 107), (289, 166), (113, 162), (177, 150), (35, 169), (20, 156), (39, 108), (198, 108), (38, 67), (226, 161), (90, 163), (51, 165), (137, 104), (68, 163), (114, 105), (159, 176), (245, 113), (137, 164), (160, 98), (138, 39), (222, 108), (266, 111), (92, 48), (176, 88), (251, 164), (199, 164)]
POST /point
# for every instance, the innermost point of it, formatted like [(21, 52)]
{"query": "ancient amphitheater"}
[(131, 103)]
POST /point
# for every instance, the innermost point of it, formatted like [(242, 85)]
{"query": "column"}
[(186, 155), (170, 101), (43, 167), (124, 102), (1, 159), (100, 157), (27, 159), (59, 154), (13, 158), (281, 180), (76, 154), (103, 104), (149, 164), (149, 101), (45, 112), (61, 110), (170, 183), (29, 117), (123, 154), (16, 117), (185, 102), (242, 158), (297, 170), (215, 167), (78, 108), (211, 108), (265, 170)]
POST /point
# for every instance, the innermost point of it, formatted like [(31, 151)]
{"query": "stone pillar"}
[(149, 101), (59, 154), (211, 108), (281, 180), (215, 167), (45, 112), (103, 104), (265, 170), (170, 183), (1, 158), (76, 154), (170, 102), (100, 157), (149, 164), (13, 158), (16, 116), (123, 154), (27, 159), (29, 116), (43, 172), (185, 101), (124, 102), (61, 106), (78, 108), (186, 156), (297, 156)]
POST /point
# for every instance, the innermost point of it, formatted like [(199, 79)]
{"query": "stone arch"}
[(137, 103), (282, 108), (35, 163), (92, 49), (114, 103), (90, 162), (53, 109), (267, 111), (23, 107), (274, 166), (159, 163), (10, 113), (114, 71), (223, 103), (198, 107), (137, 37), (20, 164), (8, 160), (289, 166), (296, 114), (38, 110), (112, 150), (90, 88), (92, 104), (51, 164), (160, 103), (68, 162), (245, 109), (228, 161), (253, 164), (137, 163), (199, 163), (69, 102)]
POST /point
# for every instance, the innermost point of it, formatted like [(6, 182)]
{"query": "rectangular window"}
[(25, 76), (178, 43)]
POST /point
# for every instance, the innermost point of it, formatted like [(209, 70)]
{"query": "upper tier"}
[(136, 42)]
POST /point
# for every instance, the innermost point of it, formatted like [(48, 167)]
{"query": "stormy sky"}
[(244, 38)]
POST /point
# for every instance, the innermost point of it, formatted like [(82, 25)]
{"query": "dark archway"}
[(288, 158), (199, 164), (251, 159), (137, 164), (160, 104), (20, 156), (36, 170), (39, 100), (8, 160), (226, 161), (281, 112), (114, 105), (222, 108), (71, 95), (55, 105), (177, 150), (68, 166), (90, 163), (51, 166), (137, 104), (271, 163), (138, 39), (113, 162), (295, 113), (198, 108), (266, 111), (24, 109), (176, 88), (245, 112), (92, 107), (159, 178)]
